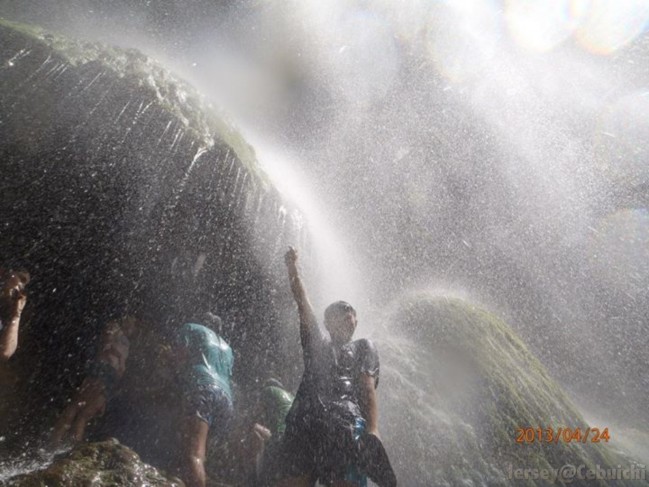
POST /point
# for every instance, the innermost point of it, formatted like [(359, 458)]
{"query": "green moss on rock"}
[(106, 463), (459, 384), (176, 96)]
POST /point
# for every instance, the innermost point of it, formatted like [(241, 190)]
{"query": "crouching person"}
[(204, 370), (102, 377)]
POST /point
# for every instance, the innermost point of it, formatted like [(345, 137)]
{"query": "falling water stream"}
[(471, 175)]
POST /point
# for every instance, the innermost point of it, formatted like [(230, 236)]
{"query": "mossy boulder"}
[(125, 190), (106, 463), (457, 383), (172, 94)]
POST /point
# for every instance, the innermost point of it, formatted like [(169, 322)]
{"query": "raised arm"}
[(13, 301), (308, 322)]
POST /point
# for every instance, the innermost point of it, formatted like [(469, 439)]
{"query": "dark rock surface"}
[(124, 191)]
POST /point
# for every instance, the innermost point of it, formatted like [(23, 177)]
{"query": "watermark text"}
[(569, 473)]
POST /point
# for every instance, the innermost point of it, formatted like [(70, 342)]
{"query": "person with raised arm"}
[(12, 303), (332, 431)]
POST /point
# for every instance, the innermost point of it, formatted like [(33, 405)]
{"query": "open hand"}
[(88, 403), (13, 292)]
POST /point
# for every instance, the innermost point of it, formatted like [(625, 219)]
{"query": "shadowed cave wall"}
[(123, 191)]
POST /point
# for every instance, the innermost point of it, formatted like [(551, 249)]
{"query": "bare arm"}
[(369, 403), (9, 340), (308, 320), (16, 299)]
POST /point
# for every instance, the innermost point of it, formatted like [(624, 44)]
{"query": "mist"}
[(495, 149)]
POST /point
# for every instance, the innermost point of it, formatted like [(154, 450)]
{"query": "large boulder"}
[(106, 463), (457, 384), (123, 190)]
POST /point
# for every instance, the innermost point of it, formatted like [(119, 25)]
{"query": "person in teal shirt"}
[(204, 373), (202, 362)]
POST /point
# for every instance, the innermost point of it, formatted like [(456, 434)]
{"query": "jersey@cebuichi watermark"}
[(567, 435), (569, 473)]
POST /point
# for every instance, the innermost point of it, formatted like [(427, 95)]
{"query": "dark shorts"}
[(211, 405), (324, 452)]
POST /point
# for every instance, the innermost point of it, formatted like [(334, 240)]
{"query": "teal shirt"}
[(210, 358)]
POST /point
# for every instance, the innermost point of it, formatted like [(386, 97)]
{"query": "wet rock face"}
[(456, 384), (123, 191), (106, 463)]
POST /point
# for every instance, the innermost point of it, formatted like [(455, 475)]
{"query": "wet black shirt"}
[(331, 380)]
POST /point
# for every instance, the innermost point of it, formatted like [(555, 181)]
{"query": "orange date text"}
[(567, 435)]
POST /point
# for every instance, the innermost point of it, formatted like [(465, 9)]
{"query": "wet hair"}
[(23, 275), (338, 308), (213, 322)]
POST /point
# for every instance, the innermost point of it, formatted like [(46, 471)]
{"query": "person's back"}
[(209, 358), (205, 369)]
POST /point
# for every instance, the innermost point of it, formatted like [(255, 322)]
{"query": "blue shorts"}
[(211, 405)]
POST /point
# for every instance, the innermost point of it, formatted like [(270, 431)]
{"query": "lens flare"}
[(609, 25)]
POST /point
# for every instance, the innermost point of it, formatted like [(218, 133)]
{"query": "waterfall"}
[(123, 189)]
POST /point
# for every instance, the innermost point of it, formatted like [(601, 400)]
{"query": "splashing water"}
[(496, 147), (27, 463)]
